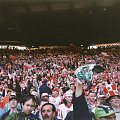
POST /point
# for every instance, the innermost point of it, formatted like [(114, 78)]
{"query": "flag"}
[(27, 66), (86, 72)]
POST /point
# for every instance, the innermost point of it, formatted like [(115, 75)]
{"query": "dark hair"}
[(43, 100), (53, 106), (44, 81), (91, 91), (108, 99), (98, 69), (64, 101), (28, 97), (8, 90)]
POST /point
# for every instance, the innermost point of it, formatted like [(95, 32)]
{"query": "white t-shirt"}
[(63, 110), (55, 100)]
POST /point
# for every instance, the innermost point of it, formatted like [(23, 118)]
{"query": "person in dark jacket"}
[(28, 105), (48, 112), (44, 88), (80, 107)]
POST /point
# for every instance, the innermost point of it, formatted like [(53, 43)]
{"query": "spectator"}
[(64, 87), (92, 100), (44, 88), (55, 98), (5, 88), (66, 106), (45, 96), (80, 107), (13, 101), (41, 103), (48, 111), (113, 98), (7, 107), (28, 105), (105, 113), (72, 87)]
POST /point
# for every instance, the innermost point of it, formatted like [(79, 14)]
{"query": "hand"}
[(79, 88)]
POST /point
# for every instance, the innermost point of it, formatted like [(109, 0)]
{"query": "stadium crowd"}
[(41, 84)]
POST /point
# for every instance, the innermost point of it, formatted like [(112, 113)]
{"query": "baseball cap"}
[(44, 95), (103, 111), (68, 93), (13, 97)]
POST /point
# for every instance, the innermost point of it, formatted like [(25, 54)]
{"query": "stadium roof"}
[(59, 22)]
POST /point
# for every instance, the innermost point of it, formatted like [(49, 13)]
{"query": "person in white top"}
[(66, 106), (55, 98)]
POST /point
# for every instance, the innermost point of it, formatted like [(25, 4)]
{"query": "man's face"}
[(28, 107), (110, 117), (47, 112), (115, 101), (13, 103), (92, 97)]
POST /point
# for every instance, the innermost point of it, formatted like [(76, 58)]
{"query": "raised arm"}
[(80, 107)]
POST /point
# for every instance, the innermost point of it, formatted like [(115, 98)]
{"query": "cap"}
[(13, 97), (68, 93), (45, 94), (103, 111)]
